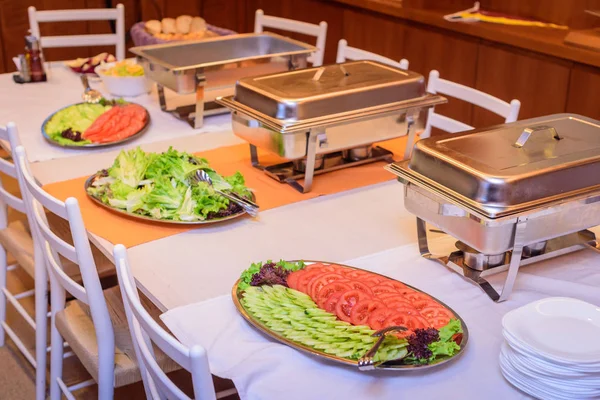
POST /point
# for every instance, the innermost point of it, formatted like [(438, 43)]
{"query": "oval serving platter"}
[(93, 145), (391, 364), (88, 183)]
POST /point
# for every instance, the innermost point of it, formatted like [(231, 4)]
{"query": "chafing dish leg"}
[(161, 97), (411, 132), (199, 112), (311, 154), (254, 158)]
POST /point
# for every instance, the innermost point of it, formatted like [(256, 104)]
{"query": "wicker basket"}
[(141, 37)]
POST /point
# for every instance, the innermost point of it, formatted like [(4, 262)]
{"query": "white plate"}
[(563, 329), (590, 387), (545, 362)]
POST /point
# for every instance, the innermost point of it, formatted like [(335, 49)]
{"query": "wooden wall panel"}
[(540, 83), (228, 14), (583, 91), (373, 32), (453, 56), (304, 10)]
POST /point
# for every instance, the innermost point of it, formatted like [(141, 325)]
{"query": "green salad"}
[(160, 186)]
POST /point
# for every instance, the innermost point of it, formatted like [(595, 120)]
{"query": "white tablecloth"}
[(28, 105), (263, 369)]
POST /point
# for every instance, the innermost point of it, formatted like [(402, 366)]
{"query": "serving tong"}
[(366, 363), (249, 206)]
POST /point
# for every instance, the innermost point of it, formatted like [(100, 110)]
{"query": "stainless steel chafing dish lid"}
[(329, 90), (510, 168), (221, 50)]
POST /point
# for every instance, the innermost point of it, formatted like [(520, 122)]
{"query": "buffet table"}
[(190, 274)]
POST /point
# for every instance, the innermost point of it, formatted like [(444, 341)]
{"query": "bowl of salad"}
[(124, 78)]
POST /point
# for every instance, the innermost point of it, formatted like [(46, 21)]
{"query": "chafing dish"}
[(327, 118), (511, 194), (214, 65)]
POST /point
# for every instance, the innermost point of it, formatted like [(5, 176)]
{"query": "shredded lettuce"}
[(162, 186)]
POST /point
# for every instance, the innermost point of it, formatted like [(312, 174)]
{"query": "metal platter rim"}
[(236, 295), (93, 145), (88, 183)]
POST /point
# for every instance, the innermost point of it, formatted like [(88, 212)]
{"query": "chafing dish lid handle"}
[(320, 71), (528, 131)]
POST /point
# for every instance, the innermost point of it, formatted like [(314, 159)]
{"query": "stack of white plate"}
[(552, 349)]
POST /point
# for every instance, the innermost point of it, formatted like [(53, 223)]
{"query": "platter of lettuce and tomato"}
[(160, 187), (87, 125), (332, 311)]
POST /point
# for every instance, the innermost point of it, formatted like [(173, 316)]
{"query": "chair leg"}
[(106, 370), (57, 295), (41, 324), (3, 265)]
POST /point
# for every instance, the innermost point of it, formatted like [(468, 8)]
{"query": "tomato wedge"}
[(329, 289), (409, 321), (363, 310), (378, 317), (317, 283), (347, 301)]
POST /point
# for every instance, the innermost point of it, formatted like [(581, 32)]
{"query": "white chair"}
[(145, 331), (262, 21), (509, 111), (94, 324), (15, 238), (98, 14), (345, 52)]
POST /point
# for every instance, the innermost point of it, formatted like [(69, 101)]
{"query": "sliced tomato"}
[(292, 279), (409, 321), (370, 281), (346, 303), (380, 289), (389, 295), (378, 317), (305, 279), (328, 290), (402, 305), (414, 296), (434, 311), (420, 304), (356, 274), (361, 287), (317, 283), (363, 310), (438, 322), (331, 302), (395, 284)]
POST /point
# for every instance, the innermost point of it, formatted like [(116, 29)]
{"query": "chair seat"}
[(76, 326), (16, 239)]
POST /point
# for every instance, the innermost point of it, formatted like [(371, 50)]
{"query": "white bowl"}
[(125, 86)]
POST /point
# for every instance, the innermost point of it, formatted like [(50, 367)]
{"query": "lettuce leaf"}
[(130, 166)]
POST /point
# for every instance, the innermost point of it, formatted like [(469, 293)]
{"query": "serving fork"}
[(89, 95), (366, 363), (249, 206)]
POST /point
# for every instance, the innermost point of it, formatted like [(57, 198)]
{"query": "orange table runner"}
[(130, 232)]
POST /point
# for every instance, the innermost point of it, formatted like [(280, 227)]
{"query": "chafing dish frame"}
[(197, 78), (316, 139)]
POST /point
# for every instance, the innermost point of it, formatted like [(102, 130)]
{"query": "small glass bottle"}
[(36, 62)]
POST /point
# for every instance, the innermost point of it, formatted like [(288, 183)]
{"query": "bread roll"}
[(153, 26), (168, 25), (198, 25), (183, 23)]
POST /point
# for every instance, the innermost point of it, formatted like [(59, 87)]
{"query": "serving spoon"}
[(89, 95)]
